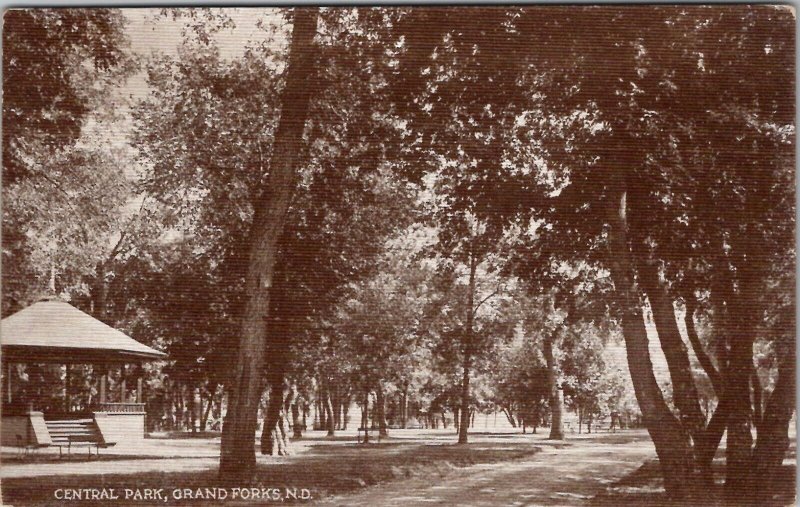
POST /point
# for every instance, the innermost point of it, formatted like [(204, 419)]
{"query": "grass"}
[(329, 470)]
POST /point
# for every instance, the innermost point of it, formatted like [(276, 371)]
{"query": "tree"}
[(339, 224), (63, 190), (645, 116), (520, 376), (54, 63), (648, 138), (583, 367), (237, 452), (200, 152), (58, 232)]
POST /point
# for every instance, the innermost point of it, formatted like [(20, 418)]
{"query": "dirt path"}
[(569, 476)]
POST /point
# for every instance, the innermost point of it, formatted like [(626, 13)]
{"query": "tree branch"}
[(702, 356), (487, 298)]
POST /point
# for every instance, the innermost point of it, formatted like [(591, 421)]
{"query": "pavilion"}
[(55, 332)]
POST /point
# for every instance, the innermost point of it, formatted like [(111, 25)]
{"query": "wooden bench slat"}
[(75, 433)]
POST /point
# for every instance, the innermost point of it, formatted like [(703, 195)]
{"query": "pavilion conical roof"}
[(57, 332)]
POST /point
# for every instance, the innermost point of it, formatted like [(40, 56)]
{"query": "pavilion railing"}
[(119, 408)]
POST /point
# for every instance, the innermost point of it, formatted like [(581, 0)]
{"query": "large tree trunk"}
[(237, 452), (708, 443), (745, 320), (773, 433), (684, 390), (672, 444), (721, 296), (556, 402), (687, 400), (463, 427)]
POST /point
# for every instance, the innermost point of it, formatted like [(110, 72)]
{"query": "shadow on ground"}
[(645, 488), (183, 435), (327, 473), (35, 459)]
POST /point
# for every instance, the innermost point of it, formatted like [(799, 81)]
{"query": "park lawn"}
[(327, 470)]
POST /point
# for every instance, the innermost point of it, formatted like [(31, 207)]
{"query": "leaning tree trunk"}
[(207, 412), (685, 394), (672, 444), (511, 421), (721, 298), (692, 420), (237, 450), (463, 426), (773, 433), (556, 403), (329, 419)]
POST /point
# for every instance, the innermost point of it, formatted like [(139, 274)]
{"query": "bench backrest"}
[(73, 431)]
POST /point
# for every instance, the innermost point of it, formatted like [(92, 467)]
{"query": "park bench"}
[(366, 432), (73, 433)]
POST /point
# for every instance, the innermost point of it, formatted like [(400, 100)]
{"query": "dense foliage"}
[(463, 210)]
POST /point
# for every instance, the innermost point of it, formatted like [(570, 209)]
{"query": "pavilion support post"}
[(139, 389), (8, 381), (67, 382), (103, 385), (122, 387)]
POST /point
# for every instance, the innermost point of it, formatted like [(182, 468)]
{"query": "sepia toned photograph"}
[(520, 255)]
